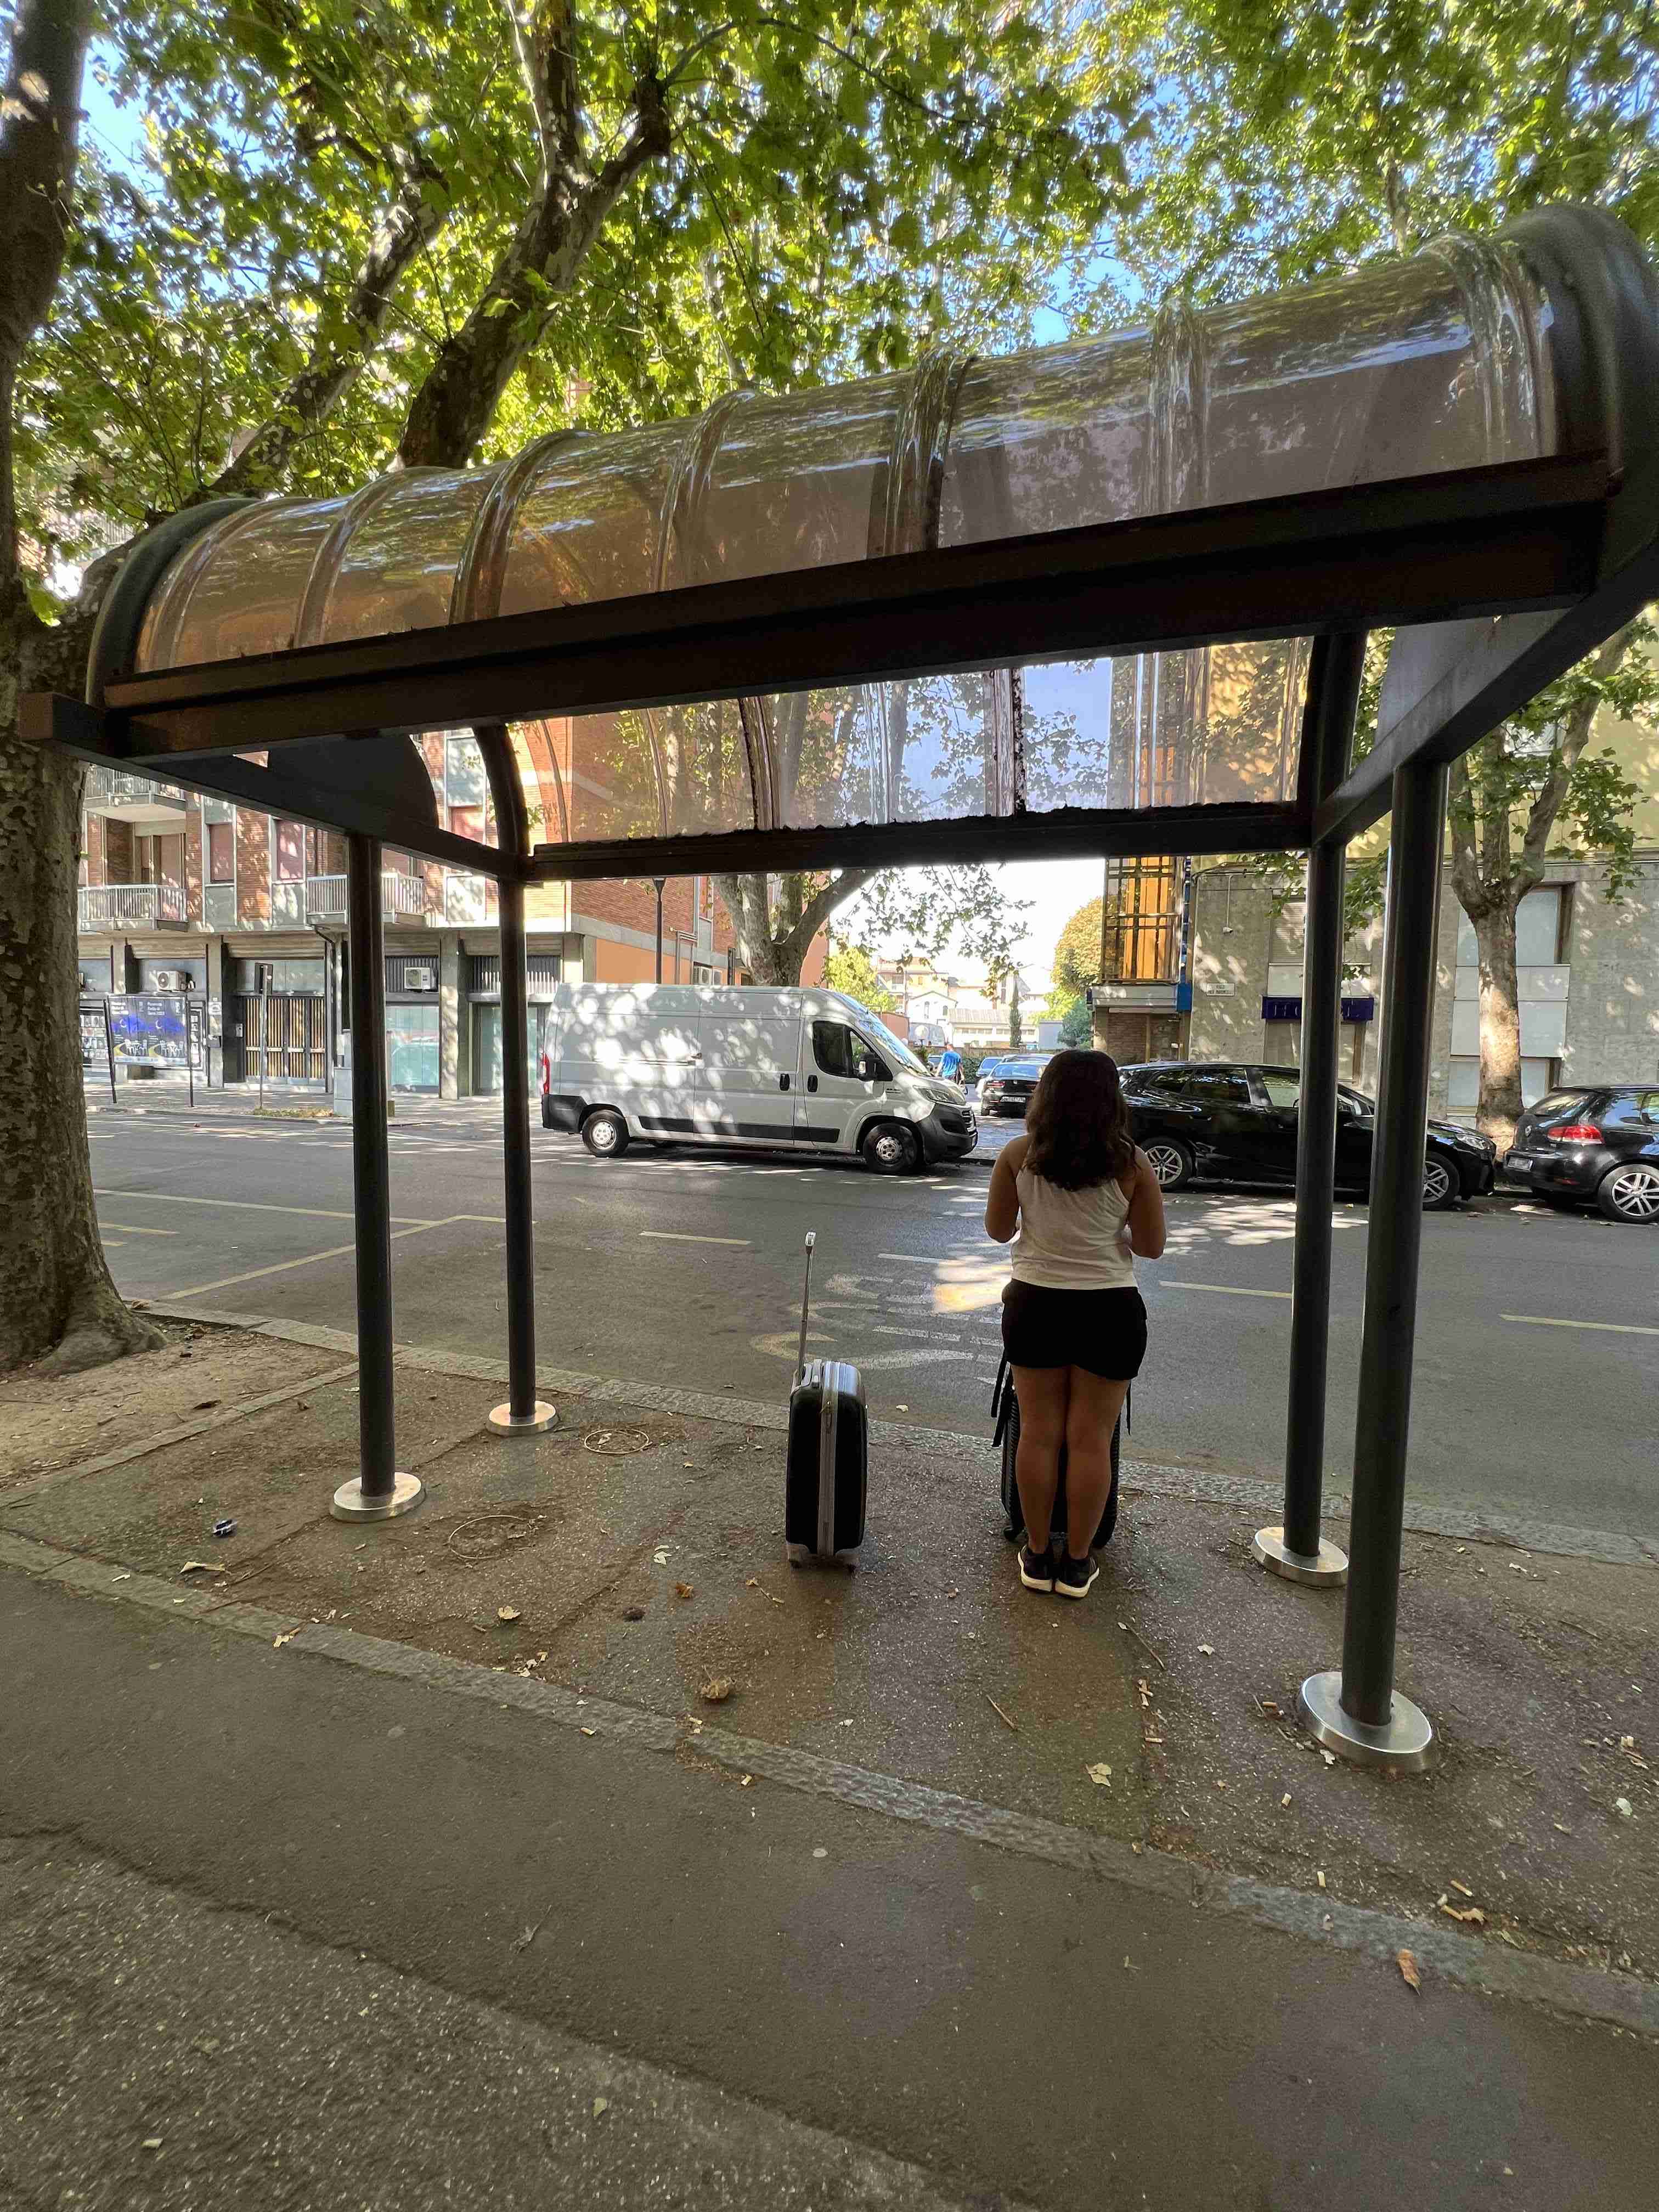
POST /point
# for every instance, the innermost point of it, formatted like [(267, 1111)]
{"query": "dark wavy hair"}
[(1079, 1123)]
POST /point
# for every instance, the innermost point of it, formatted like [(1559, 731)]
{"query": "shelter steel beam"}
[(1294, 1549), (1357, 1712), (380, 1491), (524, 1414)]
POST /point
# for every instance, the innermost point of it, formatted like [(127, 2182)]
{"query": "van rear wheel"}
[(891, 1148), (605, 1133)]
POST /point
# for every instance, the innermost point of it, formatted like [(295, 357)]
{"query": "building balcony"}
[(403, 899), (136, 799), (132, 906)]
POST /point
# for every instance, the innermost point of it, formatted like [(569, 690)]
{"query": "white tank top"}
[(1068, 1239)]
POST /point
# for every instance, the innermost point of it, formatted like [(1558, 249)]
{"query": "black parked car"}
[(1594, 1142), (1238, 1121), (1008, 1090)]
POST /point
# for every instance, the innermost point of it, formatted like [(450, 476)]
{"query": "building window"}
[(1143, 915), (467, 821), (221, 852), (291, 853)]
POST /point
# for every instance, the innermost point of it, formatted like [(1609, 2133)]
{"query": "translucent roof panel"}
[(1404, 369)]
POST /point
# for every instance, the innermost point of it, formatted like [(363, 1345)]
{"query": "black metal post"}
[(1361, 1714), (1296, 1549), (109, 1053), (379, 1491), (659, 881), (522, 1409), (524, 1413)]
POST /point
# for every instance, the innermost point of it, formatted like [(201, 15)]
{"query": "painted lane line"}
[(1222, 1290), (131, 1229), (679, 1237), (113, 1243), (1612, 1327), (250, 1205), (282, 1266)]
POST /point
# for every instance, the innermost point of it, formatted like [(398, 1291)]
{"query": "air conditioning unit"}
[(170, 979), (420, 979)]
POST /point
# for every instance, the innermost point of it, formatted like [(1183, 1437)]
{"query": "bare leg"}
[(1092, 1408), (1042, 1392)]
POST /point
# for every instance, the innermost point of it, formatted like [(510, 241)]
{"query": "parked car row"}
[(1237, 1119)]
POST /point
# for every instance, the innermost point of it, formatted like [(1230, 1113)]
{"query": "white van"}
[(696, 1064)]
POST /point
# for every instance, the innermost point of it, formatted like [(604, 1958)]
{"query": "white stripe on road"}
[(249, 1205), (131, 1229), (282, 1266), (1222, 1289), (1612, 1327), (676, 1237)]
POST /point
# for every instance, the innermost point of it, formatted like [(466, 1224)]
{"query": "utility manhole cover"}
[(617, 1443)]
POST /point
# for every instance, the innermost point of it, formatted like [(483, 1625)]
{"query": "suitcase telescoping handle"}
[(805, 1294)]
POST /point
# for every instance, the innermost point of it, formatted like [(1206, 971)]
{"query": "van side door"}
[(843, 1076), (750, 1076)]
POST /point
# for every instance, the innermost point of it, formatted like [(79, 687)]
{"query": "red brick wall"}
[(92, 860), (253, 866), (117, 851)]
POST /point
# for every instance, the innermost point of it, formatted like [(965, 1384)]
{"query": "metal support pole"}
[(1359, 1712), (523, 1413), (659, 881), (1296, 1549), (380, 1491)]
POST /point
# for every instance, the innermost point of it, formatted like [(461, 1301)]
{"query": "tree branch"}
[(454, 406), (816, 910), (545, 40), (1575, 735), (40, 135), (335, 362)]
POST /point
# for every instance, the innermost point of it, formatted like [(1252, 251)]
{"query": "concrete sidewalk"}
[(876, 1887)]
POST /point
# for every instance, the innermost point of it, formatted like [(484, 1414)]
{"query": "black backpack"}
[(1004, 1415)]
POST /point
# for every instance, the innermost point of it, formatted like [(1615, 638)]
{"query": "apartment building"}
[(247, 912)]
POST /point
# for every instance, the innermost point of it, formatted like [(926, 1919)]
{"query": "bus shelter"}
[(1110, 596)]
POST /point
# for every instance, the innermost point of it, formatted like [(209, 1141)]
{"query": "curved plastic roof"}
[(1409, 368)]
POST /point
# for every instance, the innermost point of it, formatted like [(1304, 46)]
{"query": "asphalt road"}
[(1538, 1346)]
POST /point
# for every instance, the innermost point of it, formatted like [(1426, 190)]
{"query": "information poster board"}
[(150, 1029)]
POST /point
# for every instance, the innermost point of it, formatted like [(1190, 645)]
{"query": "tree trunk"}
[(1499, 1103), (56, 1295)]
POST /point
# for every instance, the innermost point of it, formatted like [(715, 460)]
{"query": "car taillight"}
[(1577, 1132)]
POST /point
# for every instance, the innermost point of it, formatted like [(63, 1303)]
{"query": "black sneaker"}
[(1074, 1578), (1036, 1569)]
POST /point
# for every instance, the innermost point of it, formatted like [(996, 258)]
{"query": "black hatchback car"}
[(1237, 1120), (1593, 1145), (1008, 1090)]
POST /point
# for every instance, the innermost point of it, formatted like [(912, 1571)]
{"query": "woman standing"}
[(1083, 1200)]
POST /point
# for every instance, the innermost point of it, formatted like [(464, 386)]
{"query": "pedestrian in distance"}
[(1078, 1199), (950, 1064)]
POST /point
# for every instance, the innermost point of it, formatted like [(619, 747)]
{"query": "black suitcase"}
[(826, 1476), (1005, 1413)]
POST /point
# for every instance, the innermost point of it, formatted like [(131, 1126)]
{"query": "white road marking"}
[(1222, 1289), (282, 1266), (677, 1237), (113, 1243), (131, 1229), (1612, 1327), (251, 1205)]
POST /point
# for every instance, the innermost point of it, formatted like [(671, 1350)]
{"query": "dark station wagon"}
[(1595, 1144)]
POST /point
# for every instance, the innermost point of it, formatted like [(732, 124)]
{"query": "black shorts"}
[(1102, 1332)]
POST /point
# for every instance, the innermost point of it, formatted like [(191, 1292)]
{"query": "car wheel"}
[(1441, 1187), (890, 1148), (1631, 1193), (605, 1133), (1171, 1161)]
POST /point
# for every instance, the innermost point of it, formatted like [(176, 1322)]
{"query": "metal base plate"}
[(350, 1504), (1406, 1743), (1328, 1564), (544, 1417)]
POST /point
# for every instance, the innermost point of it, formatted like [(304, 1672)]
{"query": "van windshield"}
[(876, 1032)]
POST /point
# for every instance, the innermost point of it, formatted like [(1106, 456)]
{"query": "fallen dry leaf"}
[(685, 1590), (507, 1612), (601, 2104), (201, 1567), (1408, 1973), (752, 1582), (1329, 1757), (1208, 1649), (716, 1690), (286, 1636), (1099, 1774)]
